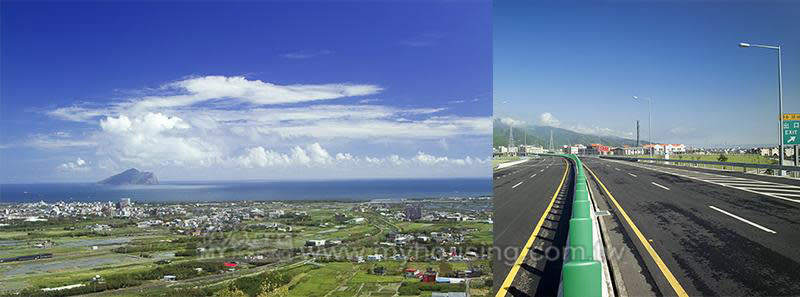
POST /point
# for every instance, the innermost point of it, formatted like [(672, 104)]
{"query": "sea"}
[(344, 190)]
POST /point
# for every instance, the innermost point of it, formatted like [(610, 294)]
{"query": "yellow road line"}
[(521, 258), (660, 263)]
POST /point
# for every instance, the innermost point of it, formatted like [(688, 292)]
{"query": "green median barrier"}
[(581, 209), (582, 279), (581, 194), (580, 184), (580, 239)]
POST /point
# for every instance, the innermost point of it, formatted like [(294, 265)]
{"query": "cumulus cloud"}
[(154, 139), (77, 165), (511, 121), (315, 155), (233, 121), (548, 119)]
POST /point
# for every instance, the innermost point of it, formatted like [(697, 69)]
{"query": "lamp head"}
[(744, 44)]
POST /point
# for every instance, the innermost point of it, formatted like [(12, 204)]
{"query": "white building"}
[(315, 242)]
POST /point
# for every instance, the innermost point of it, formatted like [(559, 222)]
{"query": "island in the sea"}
[(131, 177)]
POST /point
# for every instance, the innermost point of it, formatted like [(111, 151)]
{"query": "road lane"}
[(521, 199), (710, 253)]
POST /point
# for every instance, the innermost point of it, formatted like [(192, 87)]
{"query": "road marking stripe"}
[(772, 195), (631, 174), (770, 190), (534, 175), (521, 258), (784, 194), (743, 220), (519, 183), (660, 186), (615, 168), (660, 263)]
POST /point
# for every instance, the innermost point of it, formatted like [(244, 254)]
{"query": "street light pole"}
[(780, 98), (649, 123)]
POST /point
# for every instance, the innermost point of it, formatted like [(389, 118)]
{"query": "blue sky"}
[(245, 90), (577, 66)]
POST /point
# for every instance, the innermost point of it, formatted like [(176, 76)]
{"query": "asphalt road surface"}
[(523, 195), (717, 233)]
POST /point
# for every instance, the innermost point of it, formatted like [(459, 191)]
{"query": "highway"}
[(526, 195), (717, 233), (680, 231)]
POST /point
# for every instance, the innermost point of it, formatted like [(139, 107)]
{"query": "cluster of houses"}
[(595, 149)]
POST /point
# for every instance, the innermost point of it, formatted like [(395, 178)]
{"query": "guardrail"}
[(769, 169), (581, 274)]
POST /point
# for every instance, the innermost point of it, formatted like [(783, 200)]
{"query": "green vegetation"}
[(540, 135), (132, 261), (732, 158)]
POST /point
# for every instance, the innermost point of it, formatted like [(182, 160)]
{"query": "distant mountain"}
[(131, 177), (540, 135)]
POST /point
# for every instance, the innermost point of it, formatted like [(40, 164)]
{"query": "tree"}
[(445, 269), (230, 291), (279, 292)]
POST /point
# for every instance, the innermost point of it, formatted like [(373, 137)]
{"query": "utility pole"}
[(510, 138), (637, 133)]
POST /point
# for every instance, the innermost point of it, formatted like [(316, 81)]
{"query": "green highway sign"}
[(791, 132)]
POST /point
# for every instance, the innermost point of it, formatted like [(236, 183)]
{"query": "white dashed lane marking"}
[(743, 220), (660, 186)]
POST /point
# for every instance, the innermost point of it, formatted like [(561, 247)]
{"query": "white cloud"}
[(78, 165), (511, 121), (213, 121), (601, 131), (154, 139), (58, 140), (548, 119), (218, 90), (315, 155)]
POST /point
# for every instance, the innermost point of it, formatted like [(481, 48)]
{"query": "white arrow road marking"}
[(631, 174), (743, 220), (660, 186), (517, 185)]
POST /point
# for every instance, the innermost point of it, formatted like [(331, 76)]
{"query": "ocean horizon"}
[(264, 190)]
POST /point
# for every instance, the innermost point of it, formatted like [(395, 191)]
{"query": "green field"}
[(502, 159), (128, 252), (732, 158)]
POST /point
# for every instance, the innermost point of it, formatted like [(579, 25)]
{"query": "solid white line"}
[(631, 174), (660, 186), (770, 190), (534, 175), (743, 220), (772, 195), (738, 181), (516, 185)]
